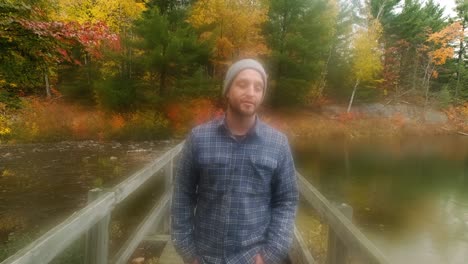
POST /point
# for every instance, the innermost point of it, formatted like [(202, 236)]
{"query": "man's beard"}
[(236, 110)]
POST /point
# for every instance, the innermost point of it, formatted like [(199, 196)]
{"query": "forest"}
[(150, 69)]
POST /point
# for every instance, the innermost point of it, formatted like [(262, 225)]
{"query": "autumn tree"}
[(234, 27), (118, 16), (462, 17), (34, 45), (299, 34), (366, 56), (404, 34), (169, 47), (438, 51)]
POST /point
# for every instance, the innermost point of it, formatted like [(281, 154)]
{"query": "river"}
[(409, 197), (43, 184)]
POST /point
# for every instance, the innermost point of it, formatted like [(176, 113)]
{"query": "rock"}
[(333, 110), (435, 117), (139, 260)]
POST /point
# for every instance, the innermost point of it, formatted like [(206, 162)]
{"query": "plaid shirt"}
[(233, 199)]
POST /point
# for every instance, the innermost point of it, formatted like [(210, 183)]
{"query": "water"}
[(42, 184), (409, 197)]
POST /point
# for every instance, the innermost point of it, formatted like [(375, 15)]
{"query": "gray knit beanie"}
[(240, 66)]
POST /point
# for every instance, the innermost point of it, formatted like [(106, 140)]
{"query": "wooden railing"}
[(93, 220), (343, 236)]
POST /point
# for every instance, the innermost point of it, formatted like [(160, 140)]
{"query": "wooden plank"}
[(337, 252), (156, 215), (157, 238), (97, 237), (299, 253), (127, 187), (49, 245), (342, 226), (168, 174), (170, 255)]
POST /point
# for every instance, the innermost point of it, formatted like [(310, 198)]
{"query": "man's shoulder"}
[(206, 128), (272, 135)]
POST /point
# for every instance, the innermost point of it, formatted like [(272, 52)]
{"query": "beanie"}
[(240, 66)]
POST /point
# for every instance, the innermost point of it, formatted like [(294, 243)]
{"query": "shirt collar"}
[(255, 131)]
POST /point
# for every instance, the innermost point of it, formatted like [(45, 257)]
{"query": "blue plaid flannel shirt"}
[(233, 199)]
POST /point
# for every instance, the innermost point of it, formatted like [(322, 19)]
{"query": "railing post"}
[(97, 237), (168, 175), (337, 252)]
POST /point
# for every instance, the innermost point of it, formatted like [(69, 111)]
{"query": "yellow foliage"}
[(117, 14), (235, 25), (367, 52), (4, 126)]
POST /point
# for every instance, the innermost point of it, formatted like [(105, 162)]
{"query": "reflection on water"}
[(42, 184), (410, 198)]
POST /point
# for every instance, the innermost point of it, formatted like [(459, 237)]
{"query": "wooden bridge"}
[(344, 239)]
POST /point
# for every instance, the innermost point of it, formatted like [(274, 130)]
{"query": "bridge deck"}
[(169, 255)]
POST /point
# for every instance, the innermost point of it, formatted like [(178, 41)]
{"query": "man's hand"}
[(259, 259), (195, 261)]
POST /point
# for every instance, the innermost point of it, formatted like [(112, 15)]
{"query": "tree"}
[(367, 56), (299, 33), (234, 26), (340, 75), (169, 46), (118, 15), (439, 50), (404, 35), (462, 16)]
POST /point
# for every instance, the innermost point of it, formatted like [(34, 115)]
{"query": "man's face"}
[(246, 93)]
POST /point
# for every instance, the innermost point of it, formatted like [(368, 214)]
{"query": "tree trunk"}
[(415, 72), (427, 81), (352, 96), (162, 82), (47, 85), (324, 74), (88, 76), (461, 52)]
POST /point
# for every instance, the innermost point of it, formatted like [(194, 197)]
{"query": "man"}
[(235, 193)]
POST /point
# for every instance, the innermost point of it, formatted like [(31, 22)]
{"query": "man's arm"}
[(183, 203), (284, 201)]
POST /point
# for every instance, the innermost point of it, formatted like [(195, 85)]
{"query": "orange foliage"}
[(184, 115), (459, 116), (54, 120), (117, 121), (442, 40), (347, 117)]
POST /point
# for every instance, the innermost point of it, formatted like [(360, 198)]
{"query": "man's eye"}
[(242, 84)]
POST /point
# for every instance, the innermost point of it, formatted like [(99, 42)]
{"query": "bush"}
[(200, 84), (291, 92), (444, 97), (187, 114), (117, 94), (141, 125)]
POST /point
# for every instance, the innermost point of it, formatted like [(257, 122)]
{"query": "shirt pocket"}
[(214, 172), (262, 169)]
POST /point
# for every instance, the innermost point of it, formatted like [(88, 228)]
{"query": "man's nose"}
[(250, 90)]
